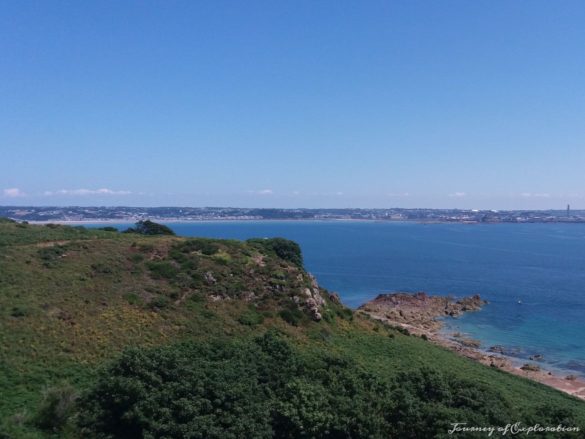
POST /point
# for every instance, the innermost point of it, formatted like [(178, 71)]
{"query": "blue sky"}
[(469, 104)]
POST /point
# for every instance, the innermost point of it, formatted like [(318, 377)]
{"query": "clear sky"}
[(469, 104)]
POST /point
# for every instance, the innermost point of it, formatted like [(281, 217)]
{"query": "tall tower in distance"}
[(568, 210)]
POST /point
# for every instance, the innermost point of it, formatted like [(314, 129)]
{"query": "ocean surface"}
[(533, 275)]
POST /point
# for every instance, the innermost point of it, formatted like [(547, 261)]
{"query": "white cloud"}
[(537, 195), (85, 192), (262, 192), (13, 192), (398, 195), (458, 194)]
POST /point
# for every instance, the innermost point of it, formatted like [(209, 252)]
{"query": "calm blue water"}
[(541, 265)]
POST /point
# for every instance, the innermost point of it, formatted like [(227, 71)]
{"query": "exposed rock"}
[(497, 349), (470, 343), (571, 377), (419, 309), (318, 298), (259, 260), (209, 278), (313, 308), (531, 367), (248, 296), (312, 301), (314, 283), (334, 297), (537, 357)]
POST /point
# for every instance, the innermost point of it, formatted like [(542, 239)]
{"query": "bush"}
[(50, 255), (344, 313), (193, 390), (159, 302), (258, 389), (150, 228), (292, 316), (132, 298), (136, 258), (18, 311), (56, 408), (101, 268), (267, 388), (284, 248), (200, 245), (162, 269), (251, 317), (329, 316)]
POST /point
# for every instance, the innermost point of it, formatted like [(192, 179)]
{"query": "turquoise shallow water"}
[(540, 265)]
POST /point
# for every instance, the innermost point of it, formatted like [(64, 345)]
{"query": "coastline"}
[(235, 219), (220, 220), (421, 316)]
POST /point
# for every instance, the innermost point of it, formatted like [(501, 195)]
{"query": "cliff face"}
[(419, 309)]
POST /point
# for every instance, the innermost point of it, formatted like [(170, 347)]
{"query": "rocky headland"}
[(421, 314), (419, 311)]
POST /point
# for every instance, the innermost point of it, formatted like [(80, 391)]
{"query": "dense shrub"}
[(150, 228), (56, 408), (50, 255), (199, 245), (258, 389), (193, 390), (284, 248), (251, 317), (162, 269), (18, 311), (266, 388), (426, 402), (159, 302), (292, 316)]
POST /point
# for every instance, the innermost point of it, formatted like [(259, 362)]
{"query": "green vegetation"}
[(204, 338), (149, 228), (285, 249)]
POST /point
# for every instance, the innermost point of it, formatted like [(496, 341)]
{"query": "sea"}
[(533, 275)]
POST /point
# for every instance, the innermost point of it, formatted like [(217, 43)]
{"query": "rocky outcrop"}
[(419, 309), (311, 299)]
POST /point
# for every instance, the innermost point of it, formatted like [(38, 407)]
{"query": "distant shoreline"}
[(227, 220), (81, 214)]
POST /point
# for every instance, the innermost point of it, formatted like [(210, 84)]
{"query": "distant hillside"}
[(122, 335)]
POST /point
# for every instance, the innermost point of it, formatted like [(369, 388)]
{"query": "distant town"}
[(133, 214)]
